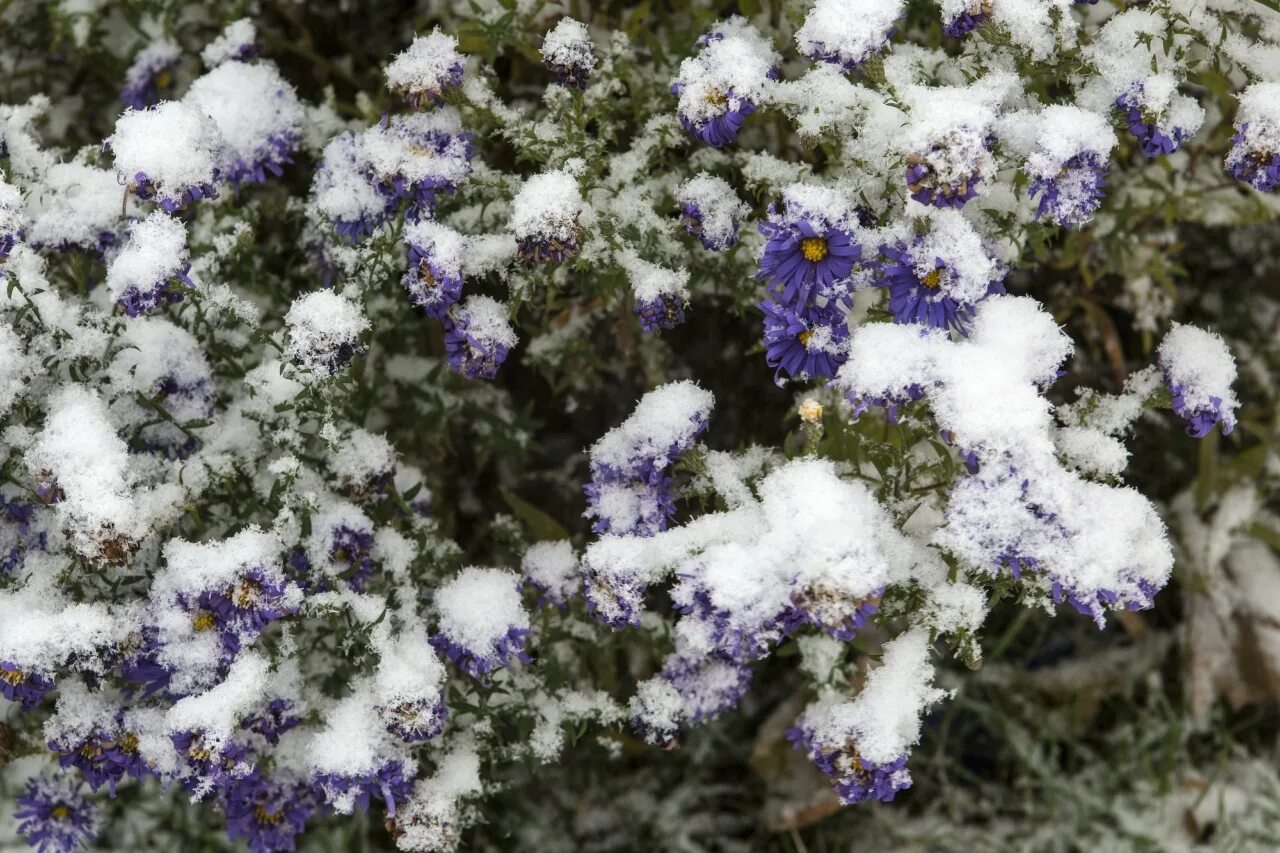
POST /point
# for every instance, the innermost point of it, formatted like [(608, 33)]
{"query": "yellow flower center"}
[(164, 79), (246, 594), (932, 278), (13, 677), (814, 249), (716, 98), (60, 812), (204, 621), (804, 336), (264, 815)]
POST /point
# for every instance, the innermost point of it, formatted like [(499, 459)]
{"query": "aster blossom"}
[(54, 817), (810, 248)]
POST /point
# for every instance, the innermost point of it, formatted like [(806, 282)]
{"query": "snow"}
[(478, 607), (849, 31), (319, 323), (664, 418), (252, 106), (547, 207), (237, 37), (74, 206), (155, 253), (1200, 364), (173, 144), (885, 717), (568, 45), (727, 71), (553, 566), (426, 66)]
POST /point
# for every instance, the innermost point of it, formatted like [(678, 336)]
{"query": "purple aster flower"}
[(948, 172), (150, 75), (862, 403), (807, 252), (665, 311), (350, 548), (1145, 126), (975, 14), (737, 636), (240, 612), (415, 720), (804, 343), (346, 192), (54, 817), (105, 755), (23, 684), (424, 71), (434, 277), (1259, 168), (832, 610), (567, 52), (483, 624), (211, 766), (141, 667), (388, 783), (709, 686), (18, 517), (432, 155), (611, 603), (478, 337), (854, 779), (1201, 419), (692, 220), (274, 720), (729, 112), (267, 815), (1071, 197), (144, 189), (625, 507), (479, 663), (921, 292), (1096, 604), (270, 158), (136, 301)]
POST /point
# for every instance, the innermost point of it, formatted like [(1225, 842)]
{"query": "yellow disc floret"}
[(814, 249)]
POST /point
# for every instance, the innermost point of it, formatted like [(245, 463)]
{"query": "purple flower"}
[(138, 299), (415, 720), (804, 343), (149, 75), (693, 222), (721, 128), (350, 548), (266, 814), (105, 755), (478, 663), (709, 686), (1258, 168), (854, 779), (737, 636), (276, 719), (862, 403), (240, 611), (437, 159), (54, 817), (387, 783), (977, 13), (947, 174), (806, 252), (665, 311), (1070, 197), (1201, 419), (623, 507), (478, 337), (432, 287), (1145, 127), (143, 188), (211, 766), (833, 611), (924, 297), (271, 158), (23, 684), (610, 603)]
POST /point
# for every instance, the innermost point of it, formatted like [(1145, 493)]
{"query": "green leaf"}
[(541, 525)]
